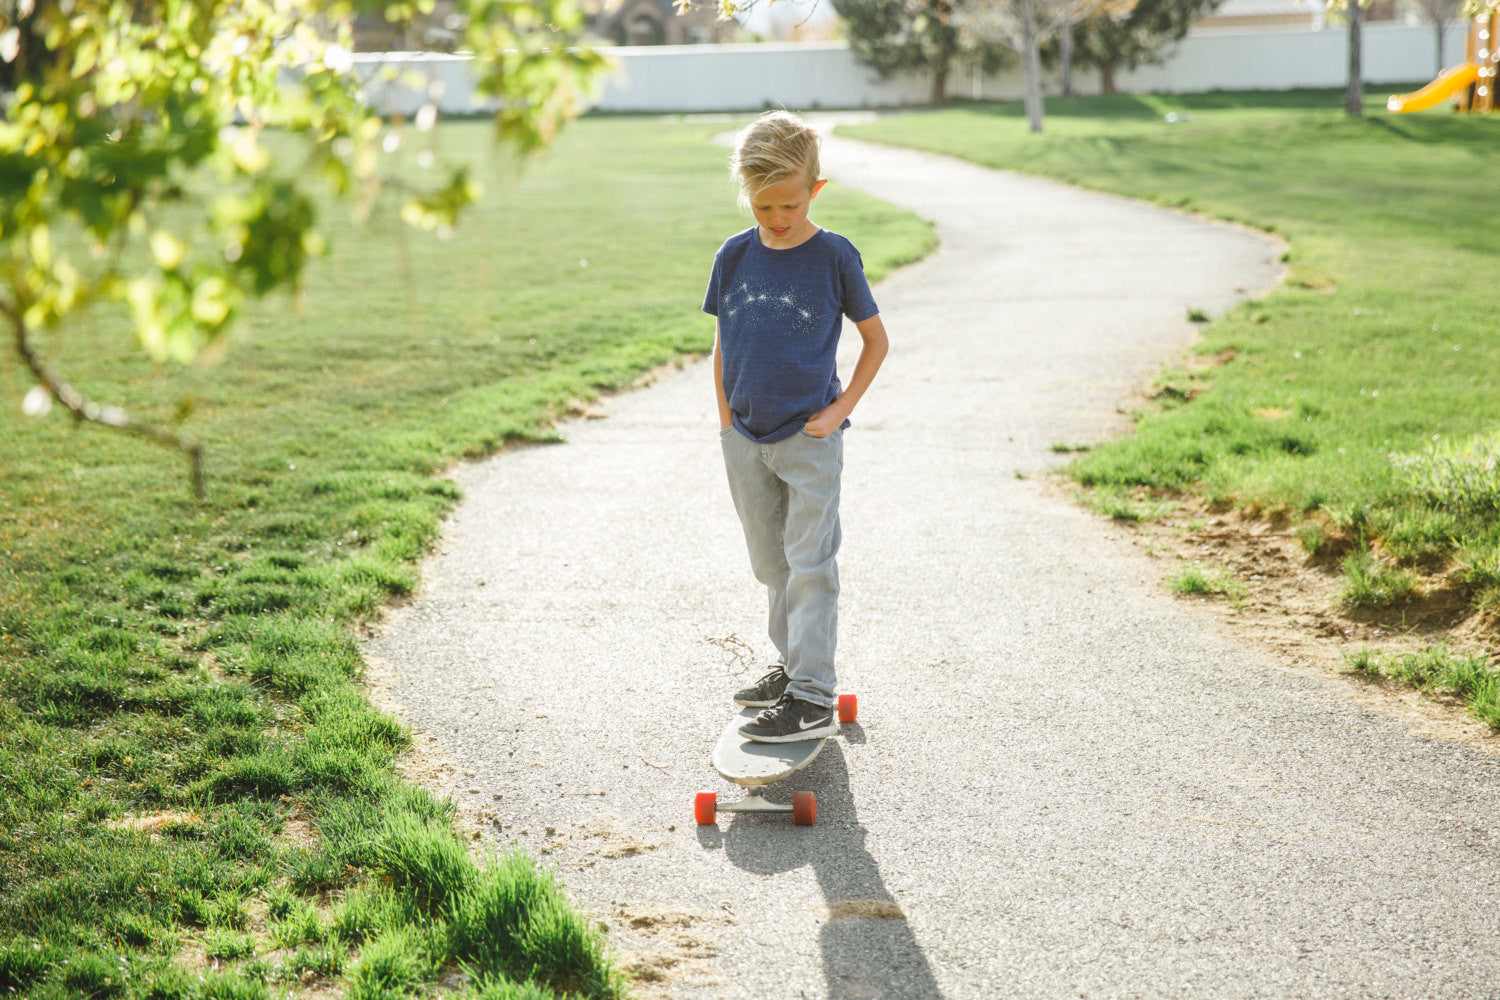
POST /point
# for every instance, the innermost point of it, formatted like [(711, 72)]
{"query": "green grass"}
[(180, 682), (1473, 678), (1194, 578), (1130, 505), (1361, 398), (1370, 583)]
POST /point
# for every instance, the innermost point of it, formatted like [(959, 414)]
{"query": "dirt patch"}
[(1291, 606), (865, 909), (603, 839), (298, 831), (665, 950), (155, 822), (584, 844)]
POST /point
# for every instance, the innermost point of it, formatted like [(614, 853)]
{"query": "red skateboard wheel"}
[(804, 808), (705, 807), (848, 707)]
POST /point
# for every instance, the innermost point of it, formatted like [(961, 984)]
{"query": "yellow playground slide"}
[(1439, 90)]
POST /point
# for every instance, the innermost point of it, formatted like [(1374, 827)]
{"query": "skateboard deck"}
[(754, 765), (751, 764)]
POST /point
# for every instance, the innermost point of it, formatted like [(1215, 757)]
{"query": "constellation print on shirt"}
[(778, 312)]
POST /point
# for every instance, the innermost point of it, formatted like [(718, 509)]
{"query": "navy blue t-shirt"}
[(780, 314)]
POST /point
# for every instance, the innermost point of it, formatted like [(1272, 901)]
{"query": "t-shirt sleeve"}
[(859, 302), (711, 296)]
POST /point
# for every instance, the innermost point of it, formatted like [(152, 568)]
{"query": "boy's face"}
[(781, 210)]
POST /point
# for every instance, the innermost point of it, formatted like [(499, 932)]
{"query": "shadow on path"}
[(868, 947)]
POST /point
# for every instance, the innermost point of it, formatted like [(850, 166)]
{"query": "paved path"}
[(1063, 783)]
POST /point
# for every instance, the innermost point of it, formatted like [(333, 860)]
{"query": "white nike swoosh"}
[(816, 722)]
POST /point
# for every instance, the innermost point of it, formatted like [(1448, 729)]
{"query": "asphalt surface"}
[(1063, 782)]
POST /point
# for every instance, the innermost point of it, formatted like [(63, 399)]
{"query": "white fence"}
[(1222, 59), (809, 76)]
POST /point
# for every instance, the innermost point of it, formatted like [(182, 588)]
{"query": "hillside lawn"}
[(1359, 399), (198, 799)]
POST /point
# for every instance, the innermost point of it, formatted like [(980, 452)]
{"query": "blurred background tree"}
[(1111, 43), (921, 36)]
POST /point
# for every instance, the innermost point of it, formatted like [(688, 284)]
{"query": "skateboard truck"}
[(755, 765), (804, 806)]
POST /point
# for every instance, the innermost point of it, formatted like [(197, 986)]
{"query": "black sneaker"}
[(764, 692), (789, 720)]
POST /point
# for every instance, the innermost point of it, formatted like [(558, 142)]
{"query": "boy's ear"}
[(818, 187)]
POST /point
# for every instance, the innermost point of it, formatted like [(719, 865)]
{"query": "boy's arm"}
[(832, 416), (725, 418)]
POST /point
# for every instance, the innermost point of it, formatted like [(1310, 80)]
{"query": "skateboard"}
[(753, 766)]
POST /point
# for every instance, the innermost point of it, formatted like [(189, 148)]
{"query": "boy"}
[(779, 292)]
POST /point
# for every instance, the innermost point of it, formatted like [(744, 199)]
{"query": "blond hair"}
[(778, 146)]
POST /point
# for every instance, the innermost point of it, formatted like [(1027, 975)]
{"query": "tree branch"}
[(84, 409)]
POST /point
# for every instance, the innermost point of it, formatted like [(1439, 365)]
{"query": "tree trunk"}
[(1032, 56), (939, 93), (1107, 78), (1065, 58), (1354, 95)]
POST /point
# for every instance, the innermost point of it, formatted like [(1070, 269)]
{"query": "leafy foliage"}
[(103, 139)]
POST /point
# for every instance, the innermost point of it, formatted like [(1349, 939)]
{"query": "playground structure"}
[(1471, 84)]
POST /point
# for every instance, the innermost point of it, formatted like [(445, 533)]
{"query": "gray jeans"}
[(787, 497)]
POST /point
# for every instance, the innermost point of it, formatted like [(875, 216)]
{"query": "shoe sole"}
[(748, 703), (811, 734)]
